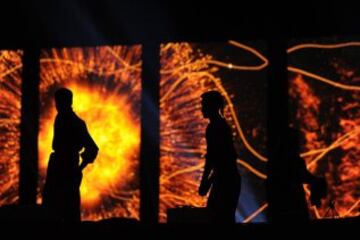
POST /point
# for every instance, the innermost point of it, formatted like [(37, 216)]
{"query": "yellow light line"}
[(323, 46), (237, 67), (172, 87), (234, 116), (351, 208), (81, 65), (335, 144), (252, 169), (136, 67), (11, 70), (254, 214), (183, 171), (183, 66), (242, 67), (324, 80), (312, 152), (317, 214), (193, 151), (252, 50)]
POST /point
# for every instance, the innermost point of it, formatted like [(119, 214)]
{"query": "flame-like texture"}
[(106, 84), (331, 145), (324, 102), (325, 106), (10, 113), (186, 73)]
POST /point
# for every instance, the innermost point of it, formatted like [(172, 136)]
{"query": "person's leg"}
[(72, 198), (212, 204), (229, 202), (72, 206)]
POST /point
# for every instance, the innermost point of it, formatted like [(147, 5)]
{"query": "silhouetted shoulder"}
[(219, 127), (80, 124), (78, 119)]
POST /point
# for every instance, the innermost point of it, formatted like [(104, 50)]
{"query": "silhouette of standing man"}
[(220, 170), (64, 174), (291, 204)]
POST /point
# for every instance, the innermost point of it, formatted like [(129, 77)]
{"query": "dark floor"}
[(28, 222)]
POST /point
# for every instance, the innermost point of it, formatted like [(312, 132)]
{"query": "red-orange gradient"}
[(324, 105), (10, 114), (106, 85)]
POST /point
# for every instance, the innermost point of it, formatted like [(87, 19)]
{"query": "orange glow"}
[(322, 79), (106, 85), (185, 75), (322, 46), (111, 177), (110, 123), (181, 70), (243, 68), (330, 152), (254, 214), (10, 114), (252, 169)]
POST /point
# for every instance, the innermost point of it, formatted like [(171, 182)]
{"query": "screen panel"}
[(106, 85), (238, 71), (324, 85), (10, 117)]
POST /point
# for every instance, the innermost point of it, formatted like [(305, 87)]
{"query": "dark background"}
[(87, 22), (31, 25)]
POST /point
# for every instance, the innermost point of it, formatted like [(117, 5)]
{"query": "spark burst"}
[(116, 70), (10, 114), (106, 82), (327, 112), (185, 74)]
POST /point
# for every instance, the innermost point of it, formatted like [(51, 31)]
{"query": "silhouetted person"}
[(220, 171), (64, 174), (292, 204)]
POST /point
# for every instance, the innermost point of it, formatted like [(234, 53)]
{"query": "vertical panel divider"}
[(29, 127), (150, 134), (277, 119)]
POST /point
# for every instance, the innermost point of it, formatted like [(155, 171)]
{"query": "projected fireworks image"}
[(106, 84), (324, 90), (10, 113), (238, 71)]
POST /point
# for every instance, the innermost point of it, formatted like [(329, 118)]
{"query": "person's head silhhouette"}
[(212, 103), (63, 100)]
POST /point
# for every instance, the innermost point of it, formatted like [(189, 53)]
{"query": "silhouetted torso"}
[(221, 156), (220, 149), (61, 191)]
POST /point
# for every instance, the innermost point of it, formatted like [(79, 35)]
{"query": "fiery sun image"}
[(10, 114), (106, 85), (324, 90)]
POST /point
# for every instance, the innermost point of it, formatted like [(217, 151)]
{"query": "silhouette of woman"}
[(220, 170)]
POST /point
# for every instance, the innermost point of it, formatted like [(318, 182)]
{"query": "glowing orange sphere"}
[(110, 123)]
